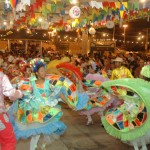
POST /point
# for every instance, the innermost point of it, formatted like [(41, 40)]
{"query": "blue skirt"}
[(24, 131)]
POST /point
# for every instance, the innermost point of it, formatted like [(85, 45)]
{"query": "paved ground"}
[(81, 137)]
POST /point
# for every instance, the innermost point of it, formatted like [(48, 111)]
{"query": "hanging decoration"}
[(7, 6), (67, 28), (75, 12), (110, 24), (25, 2), (13, 3), (54, 33), (94, 13), (92, 31), (20, 7), (96, 4)]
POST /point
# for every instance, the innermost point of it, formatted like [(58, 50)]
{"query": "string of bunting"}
[(85, 15)]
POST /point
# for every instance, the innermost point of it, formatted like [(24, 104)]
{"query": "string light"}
[(40, 19), (4, 23)]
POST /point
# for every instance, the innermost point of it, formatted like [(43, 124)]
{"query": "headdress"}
[(23, 65), (146, 71), (118, 59), (37, 63)]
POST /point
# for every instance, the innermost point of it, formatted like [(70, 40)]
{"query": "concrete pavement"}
[(81, 137)]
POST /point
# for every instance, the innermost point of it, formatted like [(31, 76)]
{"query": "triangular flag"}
[(136, 5), (122, 7), (125, 4), (112, 5), (130, 5), (13, 3), (121, 13), (118, 4)]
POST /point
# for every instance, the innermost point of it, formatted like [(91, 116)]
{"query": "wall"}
[(3, 45)]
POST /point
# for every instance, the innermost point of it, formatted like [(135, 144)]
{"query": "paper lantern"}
[(92, 31), (45, 25), (54, 33), (75, 12), (67, 28), (110, 24)]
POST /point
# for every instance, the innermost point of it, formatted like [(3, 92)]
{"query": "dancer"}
[(38, 112), (79, 98), (94, 92), (130, 121)]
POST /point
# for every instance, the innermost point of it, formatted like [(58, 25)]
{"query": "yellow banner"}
[(125, 4), (121, 13)]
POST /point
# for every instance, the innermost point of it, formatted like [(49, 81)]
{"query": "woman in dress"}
[(38, 111)]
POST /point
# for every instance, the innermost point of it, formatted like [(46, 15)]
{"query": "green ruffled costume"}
[(130, 120)]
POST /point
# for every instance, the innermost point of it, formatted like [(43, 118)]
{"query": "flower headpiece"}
[(37, 63), (146, 71), (23, 65)]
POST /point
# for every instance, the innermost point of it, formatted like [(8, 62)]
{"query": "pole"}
[(124, 35), (114, 33), (26, 46), (41, 48), (8, 45), (146, 41)]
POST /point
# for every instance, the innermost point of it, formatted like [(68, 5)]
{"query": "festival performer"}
[(120, 71), (95, 93), (38, 112), (7, 136), (130, 121), (86, 98)]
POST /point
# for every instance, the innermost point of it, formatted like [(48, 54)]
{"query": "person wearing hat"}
[(120, 71)]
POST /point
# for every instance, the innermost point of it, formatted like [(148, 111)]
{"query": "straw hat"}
[(118, 59)]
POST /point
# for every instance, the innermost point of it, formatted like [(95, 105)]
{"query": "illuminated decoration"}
[(40, 19), (4, 23), (54, 33), (67, 28), (73, 2), (110, 24), (29, 31), (92, 31), (75, 12)]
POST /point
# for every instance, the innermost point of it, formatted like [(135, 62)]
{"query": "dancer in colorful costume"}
[(79, 98), (7, 136), (91, 81), (38, 112), (130, 121)]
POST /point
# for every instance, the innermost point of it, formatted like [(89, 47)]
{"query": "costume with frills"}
[(129, 121), (38, 111)]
